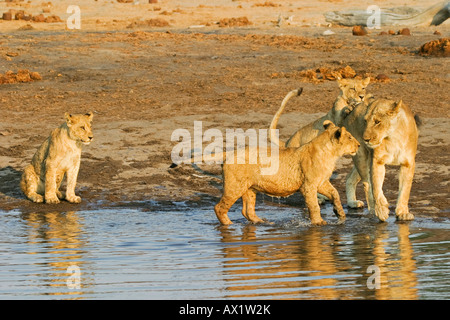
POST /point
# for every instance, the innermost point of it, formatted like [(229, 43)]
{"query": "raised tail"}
[(273, 125)]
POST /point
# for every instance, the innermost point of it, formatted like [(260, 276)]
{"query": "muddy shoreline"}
[(144, 83)]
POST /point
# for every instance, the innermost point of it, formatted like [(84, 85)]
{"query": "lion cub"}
[(59, 155), (307, 169)]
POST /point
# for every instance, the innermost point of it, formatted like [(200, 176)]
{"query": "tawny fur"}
[(352, 92), (388, 133), (58, 156), (306, 169)]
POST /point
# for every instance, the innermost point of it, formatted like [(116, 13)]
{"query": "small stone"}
[(404, 32), (328, 33), (39, 18), (359, 31), (7, 16), (382, 77)]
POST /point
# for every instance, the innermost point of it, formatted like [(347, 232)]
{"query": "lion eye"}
[(83, 128), (377, 121)]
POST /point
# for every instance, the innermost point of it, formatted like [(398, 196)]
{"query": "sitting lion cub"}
[(58, 155), (307, 169)]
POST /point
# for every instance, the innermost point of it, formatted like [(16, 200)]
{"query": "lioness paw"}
[(319, 222), (355, 204), (52, 200), (74, 199), (405, 216), (382, 212)]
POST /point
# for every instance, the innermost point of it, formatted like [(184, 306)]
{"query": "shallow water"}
[(181, 252)]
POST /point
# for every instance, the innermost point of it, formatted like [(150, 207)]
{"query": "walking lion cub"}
[(306, 169), (59, 155)]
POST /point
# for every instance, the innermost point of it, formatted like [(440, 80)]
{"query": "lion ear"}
[(338, 133), (396, 108), (68, 118), (90, 114), (327, 124), (366, 81), (341, 82)]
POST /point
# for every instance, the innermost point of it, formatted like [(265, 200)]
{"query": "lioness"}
[(352, 92), (307, 169), (58, 155), (388, 133)]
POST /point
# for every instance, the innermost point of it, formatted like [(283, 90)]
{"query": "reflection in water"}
[(318, 264), (57, 236), (397, 269), (133, 254)]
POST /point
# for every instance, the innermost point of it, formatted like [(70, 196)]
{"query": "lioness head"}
[(80, 127), (378, 121), (353, 90), (343, 140)]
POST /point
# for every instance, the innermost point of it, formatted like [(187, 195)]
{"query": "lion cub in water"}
[(59, 155), (306, 169)]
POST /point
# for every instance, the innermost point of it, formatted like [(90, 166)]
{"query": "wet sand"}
[(144, 82)]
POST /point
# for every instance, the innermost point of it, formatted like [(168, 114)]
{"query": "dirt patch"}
[(319, 74), (234, 22), (20, 76), (437, 48), (157, 22)]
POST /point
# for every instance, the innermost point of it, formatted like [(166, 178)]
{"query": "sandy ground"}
[(143, 82)]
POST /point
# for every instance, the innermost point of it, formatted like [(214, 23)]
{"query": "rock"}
[(7, 16), (19, 15), (35, 76), (22, 75), (359, 31), (391, 32), (437, 33), (51, 19), (234, 22), (152, 1), (39, 18), (404, 32), (438, 48), (382, 78), (383, 33), (347, 72), (328, 33)]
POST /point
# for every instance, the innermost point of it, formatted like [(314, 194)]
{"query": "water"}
[(181, 252)]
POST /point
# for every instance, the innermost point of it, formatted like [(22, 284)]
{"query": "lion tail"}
[(273, 125)]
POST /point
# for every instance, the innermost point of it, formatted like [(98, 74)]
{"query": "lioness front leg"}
[(72, 175), (310, 195), (381, 205), (405, 183)]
